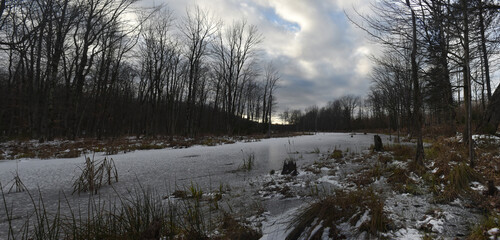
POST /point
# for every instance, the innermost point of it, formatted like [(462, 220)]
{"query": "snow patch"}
[(493, 232), (330, 180), (476, 186), (363, 219), (436, 225), (407, 234)]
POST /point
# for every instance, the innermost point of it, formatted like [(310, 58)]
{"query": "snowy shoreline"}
[(280, 197)]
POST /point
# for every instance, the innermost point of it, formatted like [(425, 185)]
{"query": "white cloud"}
[(320, 54)]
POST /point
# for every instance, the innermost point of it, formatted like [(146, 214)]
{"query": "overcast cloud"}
[(320, 55)]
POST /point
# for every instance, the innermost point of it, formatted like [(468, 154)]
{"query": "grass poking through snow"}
[(95, 174), (330, 211)]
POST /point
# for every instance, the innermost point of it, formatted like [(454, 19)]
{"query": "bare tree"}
[(271, 78), (417, 100), (198, 28), (349, 103), (235, 51)]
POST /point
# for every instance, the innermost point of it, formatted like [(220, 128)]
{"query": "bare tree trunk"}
[(484, 50), (467, 85), (419, 156), (270, 113)]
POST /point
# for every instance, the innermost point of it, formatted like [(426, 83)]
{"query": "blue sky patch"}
[(273, 17)]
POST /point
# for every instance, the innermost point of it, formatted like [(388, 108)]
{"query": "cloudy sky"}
[(320, 54)]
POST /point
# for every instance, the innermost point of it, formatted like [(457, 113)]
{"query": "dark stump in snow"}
[(289, 167), (492, 190), (378, 143)]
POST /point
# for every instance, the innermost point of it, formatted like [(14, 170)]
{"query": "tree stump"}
[(378, 143), (289, 167), (492, 190)]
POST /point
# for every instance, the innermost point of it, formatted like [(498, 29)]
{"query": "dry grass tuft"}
[(480, 231), (338, 208), (458, 180), (336, 154), (94, 174), (384, 159), (248, 161), (401, 152), (235, 230)]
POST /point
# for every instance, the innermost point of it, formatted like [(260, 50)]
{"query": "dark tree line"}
[(342, 114), (73, 68)]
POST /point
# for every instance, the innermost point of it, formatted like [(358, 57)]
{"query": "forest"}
[(75, 68), (103, 68), (437, 72), (119, 121), (455, 49)]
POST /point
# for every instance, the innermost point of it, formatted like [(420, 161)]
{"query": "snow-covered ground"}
[(280, 197), (170, 169)]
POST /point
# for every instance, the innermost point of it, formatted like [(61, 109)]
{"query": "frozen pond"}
[(168, 169)]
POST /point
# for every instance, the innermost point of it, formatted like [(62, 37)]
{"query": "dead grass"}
[(233, 229), (368, 175), (458, 181), (72, 149), (336, 154), (446, 150), (384, 159), (480, 230), (16, 185), (401, 152), (364, 178), (73, 153), (95, 174), (445, 153), (248, 161), (434, 130), (338, 208), (140, 215), (399, 175), (313, 169), (451, 171)]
